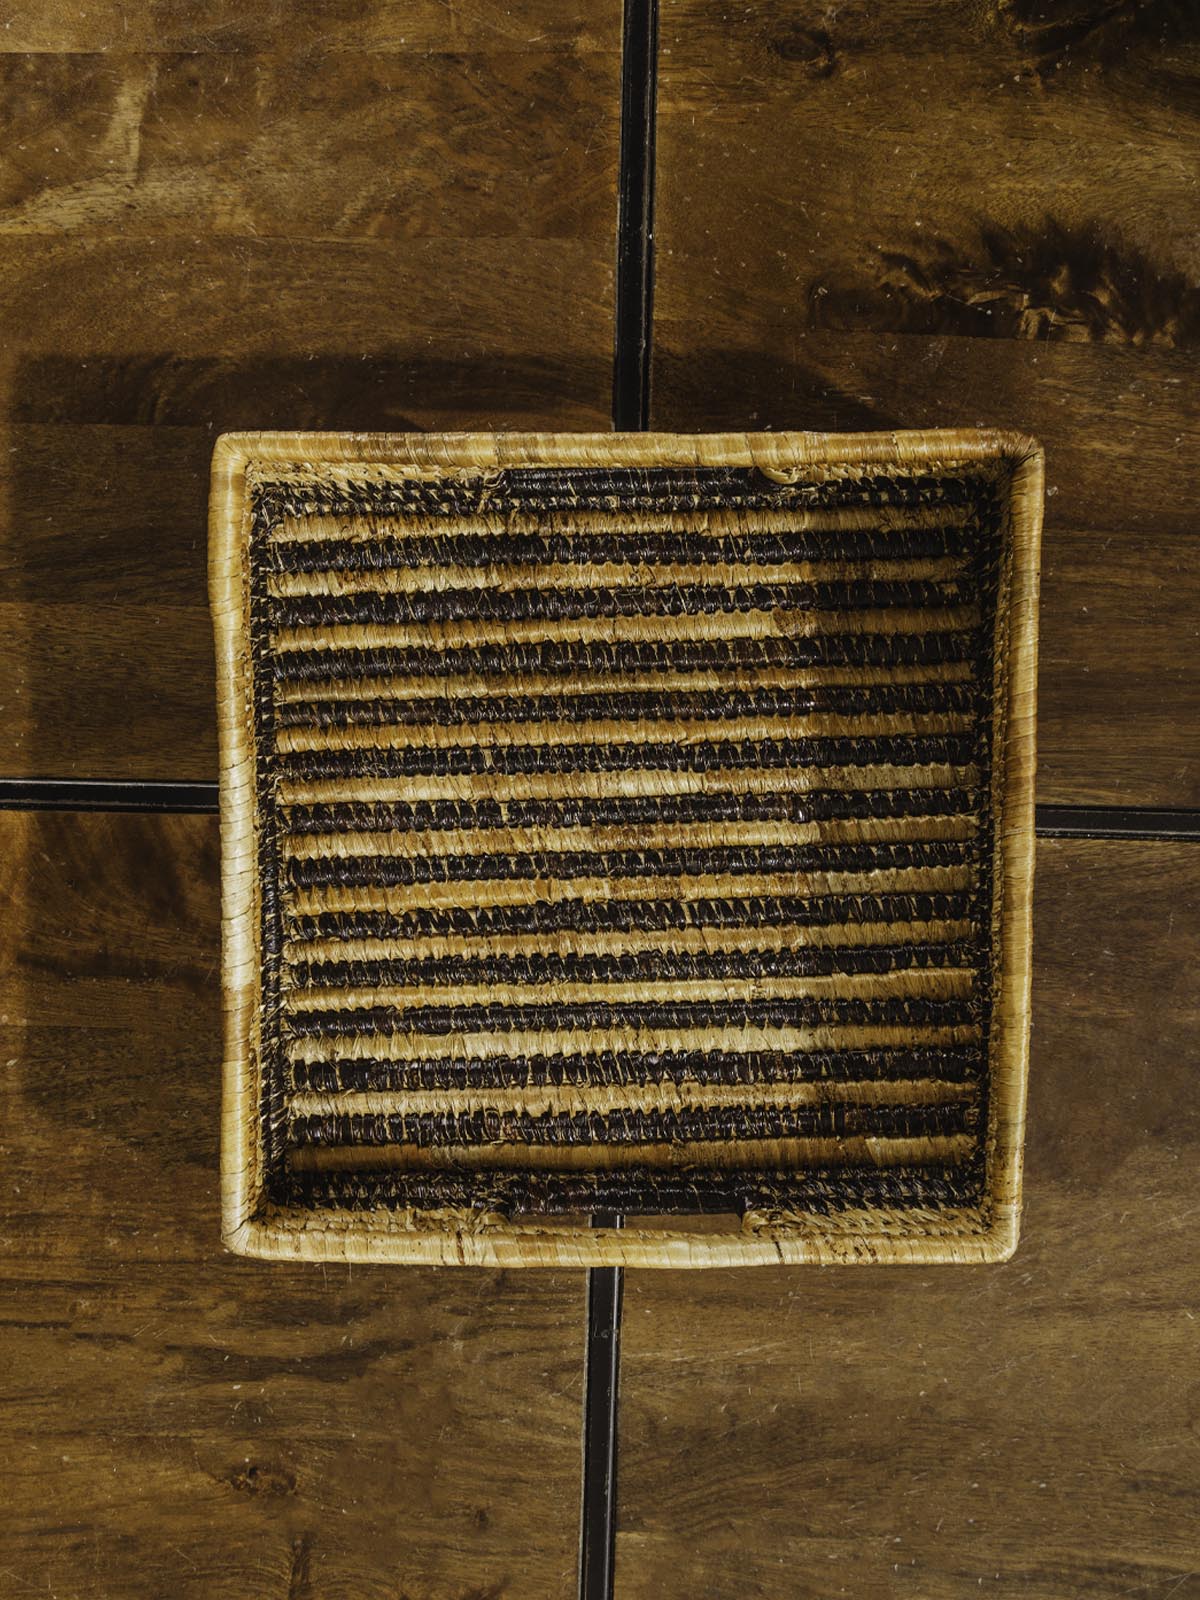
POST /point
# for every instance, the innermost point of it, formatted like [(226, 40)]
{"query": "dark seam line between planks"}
[(1116, 822), (1160, 824), (88, 794), (598, 1522), (633, 311), (634, 303)]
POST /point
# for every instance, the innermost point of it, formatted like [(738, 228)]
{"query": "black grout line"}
[(598, 1521), (88, 794), (151, 796), (633, 319), (632, 340), (1116, 822)]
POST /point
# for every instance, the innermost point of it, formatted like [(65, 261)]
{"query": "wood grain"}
[(181, 1421), (1024, 1429), (350, 218), (230, 27), (981, 215), (357, 144), (1119, 652)]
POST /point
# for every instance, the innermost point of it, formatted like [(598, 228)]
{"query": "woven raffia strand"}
[(626, 823)]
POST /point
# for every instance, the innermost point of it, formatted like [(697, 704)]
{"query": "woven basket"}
[(625, 824)]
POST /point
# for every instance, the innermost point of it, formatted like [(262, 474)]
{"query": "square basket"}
[(625, 824)]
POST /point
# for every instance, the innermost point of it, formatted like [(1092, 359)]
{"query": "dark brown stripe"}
[(641, 966), (304, 663), (813, 805), (674, 756), (644, 1190), (561, 605), (950, 1064), (816, 1011), (580, 547), (625, 916), (453, 711), (320, 872), (641, 1126), (616, 489)]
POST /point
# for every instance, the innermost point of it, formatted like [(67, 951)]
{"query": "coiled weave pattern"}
[(625, 836)]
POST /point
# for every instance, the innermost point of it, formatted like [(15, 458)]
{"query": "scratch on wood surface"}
[(299, 1578)]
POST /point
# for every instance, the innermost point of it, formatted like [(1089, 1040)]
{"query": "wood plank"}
[(1017, 1429), (987, 217), (231, 27), (1120, 660), (966, 170), (182, 1421), (361, 144), (386, 233)]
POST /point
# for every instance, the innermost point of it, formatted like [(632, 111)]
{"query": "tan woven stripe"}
[(716, 521), (784, 1155), (661, 836), (633, 781), (504, 576), (803, 623), (714, 886), (569, 943), (709, 886), (617, 730), (386, 686), (569, 1099), (931, 983), (742, 1040)]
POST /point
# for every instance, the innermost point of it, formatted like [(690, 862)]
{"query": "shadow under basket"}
[(626, 824)]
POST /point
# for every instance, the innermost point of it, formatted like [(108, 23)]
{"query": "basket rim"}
[(881, 1236)]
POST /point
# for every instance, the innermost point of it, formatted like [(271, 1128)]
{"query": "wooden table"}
[(216, 215)]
